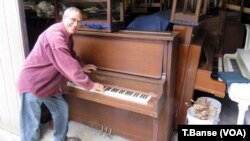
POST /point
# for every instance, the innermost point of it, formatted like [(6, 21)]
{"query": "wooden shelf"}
[(237, 8)]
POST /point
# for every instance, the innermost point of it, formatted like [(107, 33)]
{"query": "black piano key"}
[(128, 93), (235, 65), (115, 90), (144, 96), (136, 94), (106, 88), (121, 91)]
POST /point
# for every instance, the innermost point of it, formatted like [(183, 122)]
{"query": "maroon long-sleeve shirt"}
[(50, 64)]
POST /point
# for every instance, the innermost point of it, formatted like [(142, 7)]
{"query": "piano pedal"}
[(101, 131), (109, 133), (105, 131)]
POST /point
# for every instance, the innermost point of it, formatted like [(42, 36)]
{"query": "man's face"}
[(72, 22)]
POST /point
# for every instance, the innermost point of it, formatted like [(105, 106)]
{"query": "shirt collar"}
[(64, 29)]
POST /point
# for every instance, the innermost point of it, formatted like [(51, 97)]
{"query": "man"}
[(50, 64)]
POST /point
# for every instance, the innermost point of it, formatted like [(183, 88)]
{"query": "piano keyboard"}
[(226, 65), (231, 65), (120, 93)]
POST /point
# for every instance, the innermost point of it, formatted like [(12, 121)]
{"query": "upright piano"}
[(130, 63)]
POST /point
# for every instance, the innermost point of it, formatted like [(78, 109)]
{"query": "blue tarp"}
[(155, 22), (232, 77), (97, 26)]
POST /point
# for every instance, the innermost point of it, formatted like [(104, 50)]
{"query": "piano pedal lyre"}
[(105, 131)]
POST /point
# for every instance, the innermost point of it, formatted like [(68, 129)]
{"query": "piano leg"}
[(243, 107), (239, 92)]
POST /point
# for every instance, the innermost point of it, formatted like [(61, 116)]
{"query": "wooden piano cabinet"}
[(232, 27), (143, 61), (122, 122), (185, 89), (197, 47), (194, 78)]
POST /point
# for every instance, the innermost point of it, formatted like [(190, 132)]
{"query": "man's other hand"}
[(88, 68)]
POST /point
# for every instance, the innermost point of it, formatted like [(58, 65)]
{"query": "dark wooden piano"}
[(199, 36), (135, 61)]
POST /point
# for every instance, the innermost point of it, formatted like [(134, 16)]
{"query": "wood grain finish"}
[(196, 44), (137, 57), (205, 83)]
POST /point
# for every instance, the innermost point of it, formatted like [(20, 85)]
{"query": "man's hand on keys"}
[(98, 88)]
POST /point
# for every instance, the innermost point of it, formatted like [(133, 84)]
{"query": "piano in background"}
[(238, 83), (238, 88), (229, 62), (143, 62), (240, 60), (199, 34)]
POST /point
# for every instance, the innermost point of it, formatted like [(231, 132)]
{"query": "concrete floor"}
[(86, 133), (229, 112)]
